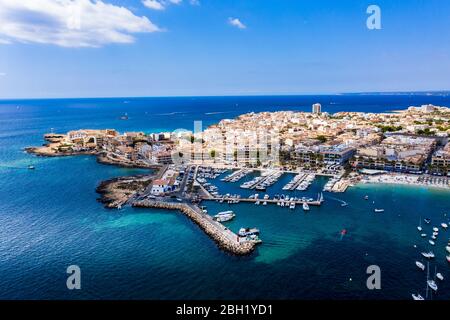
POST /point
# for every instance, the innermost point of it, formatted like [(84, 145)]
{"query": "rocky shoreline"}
[(224, 238), (117, 191), (103, 159), (47, 151)]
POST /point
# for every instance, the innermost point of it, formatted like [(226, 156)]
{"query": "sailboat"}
[(431, 282), (420, 225), (417, 296), (420, 265)]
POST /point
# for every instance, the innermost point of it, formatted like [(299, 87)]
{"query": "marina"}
[(340, 229)]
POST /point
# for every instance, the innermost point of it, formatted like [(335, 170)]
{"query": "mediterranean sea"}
[(50, 218)]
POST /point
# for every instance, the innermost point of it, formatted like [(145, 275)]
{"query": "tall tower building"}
[(316, 108)]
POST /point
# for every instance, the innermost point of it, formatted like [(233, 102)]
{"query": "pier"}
[(317, 202), (225, 238)]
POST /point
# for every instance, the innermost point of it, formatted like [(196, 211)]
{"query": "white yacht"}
[(292, 205), (444, 225), (428, 255), (417, 297), (244, 232), (435, 229), (431, 242), (305, 206), (447, 248), (432, 284), (224, 216), (379, 210), (440, 276), (423, 235), (420, 265)]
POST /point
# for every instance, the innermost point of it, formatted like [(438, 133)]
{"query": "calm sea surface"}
[(50, 219)]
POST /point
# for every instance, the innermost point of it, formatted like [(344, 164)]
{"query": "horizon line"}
[(402, 92)]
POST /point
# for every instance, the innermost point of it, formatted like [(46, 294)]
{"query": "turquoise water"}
[(50, 219)]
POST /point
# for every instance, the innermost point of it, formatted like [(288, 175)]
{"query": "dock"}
[(317, 202), (225, 238)]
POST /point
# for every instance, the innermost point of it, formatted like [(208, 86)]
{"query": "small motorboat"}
[(244, 232), (419, 228), (433, 237), (447, 248), (420, 265), (423, 235), (440, 276), (435, 229), (379, 210), (448, 259), (428, 255), (366, 197), (431, 242), (432, 284), (30, 167), (343, 232), (444, 225), (417, 297), (305, 206)]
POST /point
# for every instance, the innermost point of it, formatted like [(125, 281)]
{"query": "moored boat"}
[(224, 216), (420, 265), (432, 284), (305, 206), (417, 297), (444, 225), (379, 210), (428, 255), (440, 276), (245, 232)]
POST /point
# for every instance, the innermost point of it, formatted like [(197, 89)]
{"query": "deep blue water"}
[(50, 219)]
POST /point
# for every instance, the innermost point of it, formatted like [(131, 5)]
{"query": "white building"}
[(160, 187)]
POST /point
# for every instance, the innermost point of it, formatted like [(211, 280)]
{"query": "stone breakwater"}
[(225, 239)]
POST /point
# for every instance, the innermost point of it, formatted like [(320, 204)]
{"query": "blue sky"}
[(220, 47)]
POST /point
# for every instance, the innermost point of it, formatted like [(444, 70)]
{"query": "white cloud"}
[(69, 23), (235, 22), (2, 74), (159, 4), (153, 4), (194, 2)]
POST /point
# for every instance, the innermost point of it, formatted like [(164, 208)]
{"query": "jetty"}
[(225, 238), (317, 202)]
